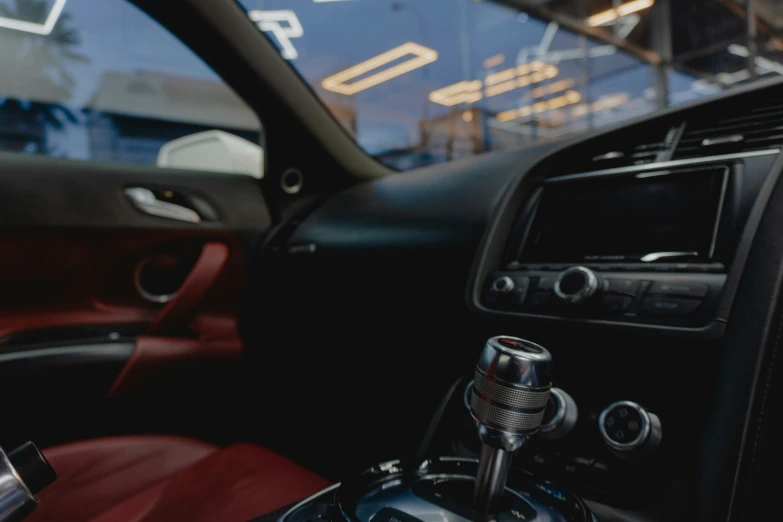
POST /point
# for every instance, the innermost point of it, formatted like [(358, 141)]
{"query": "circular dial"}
[(503, 285), (626, 426), (576, 285)]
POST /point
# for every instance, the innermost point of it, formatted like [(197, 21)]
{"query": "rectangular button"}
[(621, 286), (542, 302), (521, 285), (684, 289), (546, 282), (663, 306), (615, 304)]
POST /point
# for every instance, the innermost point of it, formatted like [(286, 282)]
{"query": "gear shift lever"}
[(510, 393)]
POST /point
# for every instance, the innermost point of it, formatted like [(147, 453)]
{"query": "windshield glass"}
[(419, 82)]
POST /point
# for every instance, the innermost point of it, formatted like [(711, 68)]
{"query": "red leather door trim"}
[(179, 311), (158, 363)]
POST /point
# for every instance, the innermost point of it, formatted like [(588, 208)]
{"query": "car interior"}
[(378, 261)]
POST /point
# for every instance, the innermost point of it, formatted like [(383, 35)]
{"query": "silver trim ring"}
[(15, 497), (560, 412), (152, 298), (591, 285), (508, 395), (307, 500), (640, 439), (507, 421), (291, 181), (503, 285), (467, 394)]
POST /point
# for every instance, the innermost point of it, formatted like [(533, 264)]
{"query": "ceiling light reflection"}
[(552, 88), (462, 92), (610, 15), (32, 27), (421, 57), (607, 102), (542, 73), (569, 98), (494, 61), (494, 84)]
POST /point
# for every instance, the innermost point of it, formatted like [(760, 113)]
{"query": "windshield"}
[(419, 82)]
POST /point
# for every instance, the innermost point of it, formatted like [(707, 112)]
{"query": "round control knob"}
[(627, 427), (560, 415), (503, 285), (576, 285)]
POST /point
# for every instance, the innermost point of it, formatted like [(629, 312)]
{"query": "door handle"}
[(183, 307), (146, 201)]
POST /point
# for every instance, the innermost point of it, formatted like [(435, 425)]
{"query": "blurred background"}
[(415, 82)]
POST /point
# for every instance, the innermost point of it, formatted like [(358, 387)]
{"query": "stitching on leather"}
[(764, 397)]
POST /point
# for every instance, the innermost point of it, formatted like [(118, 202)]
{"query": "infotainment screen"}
[(628, 218)]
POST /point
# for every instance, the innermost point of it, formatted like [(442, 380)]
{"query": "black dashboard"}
[(645, 258), (656, 240)]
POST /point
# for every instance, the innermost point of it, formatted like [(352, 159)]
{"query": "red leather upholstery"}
[(158, 362), (156, 479)]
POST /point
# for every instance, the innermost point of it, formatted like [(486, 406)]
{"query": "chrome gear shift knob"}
[(510, 392)]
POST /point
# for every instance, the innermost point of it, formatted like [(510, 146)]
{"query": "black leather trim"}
[(755, 494), (727, 455), (58, 193)]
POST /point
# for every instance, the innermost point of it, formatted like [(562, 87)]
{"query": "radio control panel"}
[(608, 293)]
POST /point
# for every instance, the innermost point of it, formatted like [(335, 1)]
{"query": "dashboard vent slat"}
[(646, 146), (744, 125)]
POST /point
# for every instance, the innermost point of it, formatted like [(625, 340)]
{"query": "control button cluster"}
[(578, 291)]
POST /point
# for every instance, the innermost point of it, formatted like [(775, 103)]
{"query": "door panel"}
[(85, 351)]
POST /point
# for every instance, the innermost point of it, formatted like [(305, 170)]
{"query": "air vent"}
[(639, 148), (743, 126)]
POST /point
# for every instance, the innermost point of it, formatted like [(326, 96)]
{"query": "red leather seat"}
[(161, 478)]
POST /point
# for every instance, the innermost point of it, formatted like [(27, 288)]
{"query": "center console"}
[(508, 400), (434, 490), (649, 245)]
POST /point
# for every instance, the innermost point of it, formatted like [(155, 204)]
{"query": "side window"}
[(100, 80)]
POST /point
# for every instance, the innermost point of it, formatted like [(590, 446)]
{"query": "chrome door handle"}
[(146, 201)]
